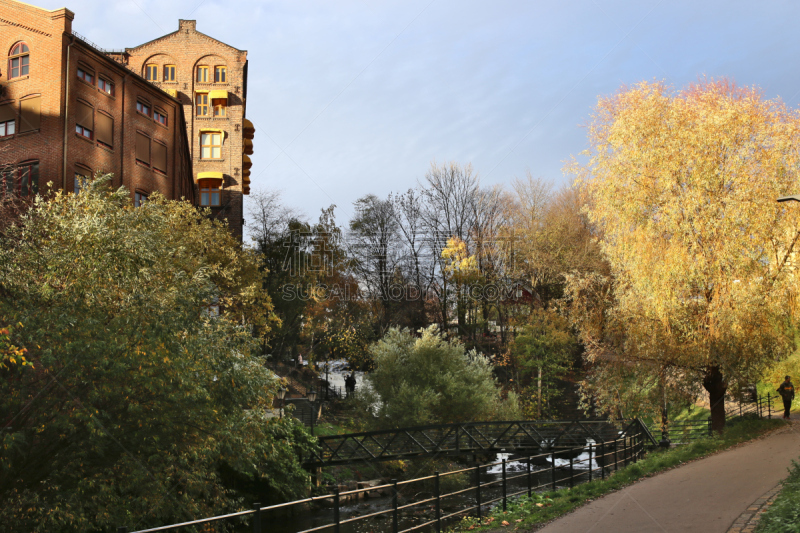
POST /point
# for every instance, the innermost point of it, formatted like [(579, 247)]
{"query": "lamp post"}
[(312, 395), (281, 396)]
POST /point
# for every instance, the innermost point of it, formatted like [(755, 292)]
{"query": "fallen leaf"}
[(504, 523), (539, 505)]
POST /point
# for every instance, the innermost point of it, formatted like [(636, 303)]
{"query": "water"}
[(491, 488), (339, 370)]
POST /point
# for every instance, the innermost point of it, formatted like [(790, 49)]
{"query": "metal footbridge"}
[(521, 436)]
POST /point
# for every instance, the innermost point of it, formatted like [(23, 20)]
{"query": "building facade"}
[(167, 116), (69, 111), (209, 78)]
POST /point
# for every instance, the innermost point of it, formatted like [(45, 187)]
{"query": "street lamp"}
[(281, 396), (312, 395)]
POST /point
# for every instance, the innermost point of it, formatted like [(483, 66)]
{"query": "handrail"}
[(622, 450)]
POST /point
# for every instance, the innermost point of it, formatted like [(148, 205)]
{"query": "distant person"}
[(350, 383), (786, 390), (299, 360)]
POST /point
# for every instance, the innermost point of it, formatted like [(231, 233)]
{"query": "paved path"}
[(704, 496)]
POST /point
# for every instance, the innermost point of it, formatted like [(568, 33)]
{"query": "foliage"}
[(546, 506), (681, 189), (142, 407), (544, 350), (11, 356), (429, 380), (784, 514)]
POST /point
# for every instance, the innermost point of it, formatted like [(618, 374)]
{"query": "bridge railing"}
[(422, 497), (523, 436)]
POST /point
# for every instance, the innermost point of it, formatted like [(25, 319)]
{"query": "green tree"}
[(544, 350), (144, 404), (681, 187), (429, 380)]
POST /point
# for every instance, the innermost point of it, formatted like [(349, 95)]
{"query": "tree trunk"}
[(715, 384), (539, 384)]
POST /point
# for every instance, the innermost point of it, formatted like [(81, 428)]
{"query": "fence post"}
[(603, 455), (529, 477), (616, 463), (394, 506), (769, 406), (478, 489), (553, 469), (571, 477), (257, 518), (590, 461), (504, 485), (710, 431), (438, 503), (336, 518)]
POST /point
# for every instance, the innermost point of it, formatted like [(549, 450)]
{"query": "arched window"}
[(18, 61)]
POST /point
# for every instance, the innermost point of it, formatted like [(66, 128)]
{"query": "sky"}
[(359, 97)]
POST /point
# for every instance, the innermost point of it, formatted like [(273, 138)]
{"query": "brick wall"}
[(55, 57), (187, 49)]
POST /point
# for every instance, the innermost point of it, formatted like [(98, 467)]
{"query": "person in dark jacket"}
[(786, 390)]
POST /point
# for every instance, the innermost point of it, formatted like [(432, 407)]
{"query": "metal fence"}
[(689, 430), (566, 468)]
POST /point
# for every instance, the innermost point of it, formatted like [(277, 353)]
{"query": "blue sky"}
[(350, 98)]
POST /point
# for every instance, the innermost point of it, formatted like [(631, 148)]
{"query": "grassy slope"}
[(525, 513), (784, 515)]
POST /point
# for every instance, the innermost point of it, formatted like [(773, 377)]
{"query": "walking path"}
[(704, 496)]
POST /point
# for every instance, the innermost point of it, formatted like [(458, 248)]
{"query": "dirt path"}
[(705, 496)]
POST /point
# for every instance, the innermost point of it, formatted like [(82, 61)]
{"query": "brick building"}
[(68, 110), (166, 116), (209, 78)]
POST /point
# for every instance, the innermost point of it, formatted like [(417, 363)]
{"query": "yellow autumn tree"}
[(681, 187)]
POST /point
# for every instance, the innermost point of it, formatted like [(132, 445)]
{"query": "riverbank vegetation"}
[(525, 513), (132, 391)]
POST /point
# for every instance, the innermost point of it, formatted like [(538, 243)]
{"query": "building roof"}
[(182, 25)]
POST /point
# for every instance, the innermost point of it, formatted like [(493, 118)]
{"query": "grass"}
[(524, 512), (784, 515)]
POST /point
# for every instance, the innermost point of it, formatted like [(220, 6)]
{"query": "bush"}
[(429, 380), (141, 406)]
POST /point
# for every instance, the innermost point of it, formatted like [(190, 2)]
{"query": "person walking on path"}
[(786, 390)]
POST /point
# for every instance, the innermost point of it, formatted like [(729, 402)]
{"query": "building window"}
[(139, 198), (160, 117), (209, 195), (220, 106), (105, 86), (18, 61), (86, 76), (144, 109), (169, 72), (160, 157), (143, 148), (151, 72), (201, 101), (7, 128), (210, 146), (30, 114), (79, 180), (105, 130), (8, 120), (20, 180), (84, 120), (220, 75), (202, 74)]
